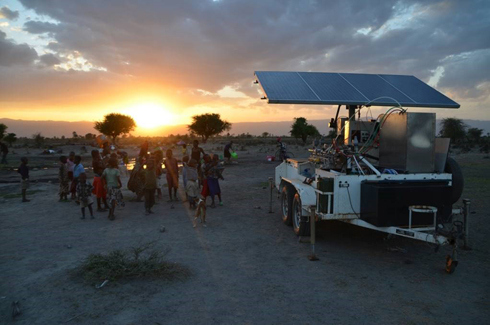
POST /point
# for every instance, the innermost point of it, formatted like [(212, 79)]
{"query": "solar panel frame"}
[(327, 88)]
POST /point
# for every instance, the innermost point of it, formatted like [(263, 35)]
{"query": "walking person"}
[(227, 152), (64, 180), (150, 186), (84, 195), (112, 181), (24, 175), (172, 168)]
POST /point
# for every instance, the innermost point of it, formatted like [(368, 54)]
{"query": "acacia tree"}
[(208, 125), (38, 139), (114, 125), (301, 129), (10, 138), (453, 128), (3, 128)]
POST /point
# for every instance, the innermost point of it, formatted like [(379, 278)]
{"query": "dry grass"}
[(134, 263)]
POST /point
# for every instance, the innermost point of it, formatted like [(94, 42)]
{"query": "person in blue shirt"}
[(77, 171)]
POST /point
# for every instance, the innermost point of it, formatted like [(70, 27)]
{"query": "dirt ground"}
[(247, 267)]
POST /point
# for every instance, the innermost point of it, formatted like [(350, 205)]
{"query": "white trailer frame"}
[(345, 200)]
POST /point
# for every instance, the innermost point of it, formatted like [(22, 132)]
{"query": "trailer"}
[(388, 173)]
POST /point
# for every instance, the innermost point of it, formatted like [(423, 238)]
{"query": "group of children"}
[(199, 170), (106, 185)]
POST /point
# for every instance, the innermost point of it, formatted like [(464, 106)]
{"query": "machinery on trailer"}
[(388, 173)]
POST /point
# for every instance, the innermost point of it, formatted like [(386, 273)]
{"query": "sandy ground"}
[(247, 267)]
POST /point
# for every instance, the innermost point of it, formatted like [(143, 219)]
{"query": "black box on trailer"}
[(385, 203)]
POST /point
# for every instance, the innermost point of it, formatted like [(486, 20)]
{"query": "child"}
[(24, 174), (77, 171), (150, 186), (196, 153), (64, 180), (70, 164), (84, 195), (112, 181), (99, 190), (172, 169), (185, 161), (192, 186), (214, 174)]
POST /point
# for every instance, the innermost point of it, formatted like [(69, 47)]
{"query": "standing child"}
[(64, 180), (84, 195), (99, 190), (24, 174), (172, 169), (192, 186), (70, 164), (77, 171), (197, 153), (150, 186), (214, 175), (185, 161), (112, 181)]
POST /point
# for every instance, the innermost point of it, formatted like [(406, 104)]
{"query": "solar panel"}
[(281, 87)]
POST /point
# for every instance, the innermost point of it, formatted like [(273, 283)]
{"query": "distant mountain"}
[(26, 128)]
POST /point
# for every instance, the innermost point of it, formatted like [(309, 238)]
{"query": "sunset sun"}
[(151, 115)]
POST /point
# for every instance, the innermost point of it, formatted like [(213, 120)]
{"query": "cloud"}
[(5, 12), (180, 47), (49, 60), (12, 54), (40, 27)]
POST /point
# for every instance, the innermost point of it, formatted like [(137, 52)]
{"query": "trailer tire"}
[(452, 167), (287, 195), (301, 225)]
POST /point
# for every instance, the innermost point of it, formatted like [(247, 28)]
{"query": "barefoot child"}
[(214, 175), (150, 186), (192, 186), (24, 174), (70, 164), (172, 174), (112, 181), (84, 195), (78, 169), (64, 180), (99, 190)]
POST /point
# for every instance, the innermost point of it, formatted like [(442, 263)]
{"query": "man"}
[(227, 152), (5, 151)]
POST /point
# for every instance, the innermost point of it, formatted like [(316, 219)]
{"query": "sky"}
[(164, 61)]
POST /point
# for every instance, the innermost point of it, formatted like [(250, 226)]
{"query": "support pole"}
[(312, 257), (466, 214), (270, 196)]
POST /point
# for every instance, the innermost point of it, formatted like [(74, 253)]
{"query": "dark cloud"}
[(201, 44), (12, 54), (49, 60), (39, 27), (5, 12)]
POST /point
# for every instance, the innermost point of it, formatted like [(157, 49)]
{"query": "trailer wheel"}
[(301, 225), (452, 167), (287, 195)]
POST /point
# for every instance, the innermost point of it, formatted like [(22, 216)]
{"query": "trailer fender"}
[(306, 193)]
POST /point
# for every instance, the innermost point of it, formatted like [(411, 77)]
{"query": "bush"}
[(136, 262)]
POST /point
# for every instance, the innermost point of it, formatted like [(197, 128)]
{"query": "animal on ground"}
[(200, 212)]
